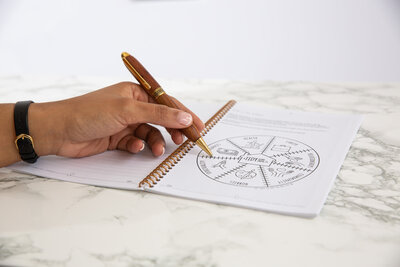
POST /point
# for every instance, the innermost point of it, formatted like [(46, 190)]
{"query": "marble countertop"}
[(47, 222)]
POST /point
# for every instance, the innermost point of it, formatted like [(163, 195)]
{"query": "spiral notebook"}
[(273, 160)]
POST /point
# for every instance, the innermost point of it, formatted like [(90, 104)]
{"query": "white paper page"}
[(276, 160), (116, 169)]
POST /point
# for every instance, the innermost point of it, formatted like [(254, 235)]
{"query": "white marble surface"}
[(53, 223)]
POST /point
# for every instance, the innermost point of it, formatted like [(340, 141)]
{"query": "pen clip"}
[(135, 73)]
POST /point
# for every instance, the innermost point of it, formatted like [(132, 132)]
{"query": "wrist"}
[(45, 128)]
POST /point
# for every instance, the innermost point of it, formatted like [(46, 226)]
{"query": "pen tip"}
[(124, 54), (200, 142)]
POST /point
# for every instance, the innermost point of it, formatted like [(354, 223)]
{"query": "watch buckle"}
[(23, 136)]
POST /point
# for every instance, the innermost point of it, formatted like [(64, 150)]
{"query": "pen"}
[(154, 90)]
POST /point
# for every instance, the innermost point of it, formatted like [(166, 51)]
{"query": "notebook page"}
[(275, 160), (116, 169)]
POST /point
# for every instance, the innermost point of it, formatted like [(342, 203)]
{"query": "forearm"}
[(41, 129), (8, 151)]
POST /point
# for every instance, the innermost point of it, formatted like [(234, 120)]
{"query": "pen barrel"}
[(190, 132), (151, 86)]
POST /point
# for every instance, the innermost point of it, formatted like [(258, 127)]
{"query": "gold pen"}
[(151, 86)]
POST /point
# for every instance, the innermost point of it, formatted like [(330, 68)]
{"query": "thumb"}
[(142, 112)]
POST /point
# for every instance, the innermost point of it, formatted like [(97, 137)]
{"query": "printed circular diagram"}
[(258, 161)]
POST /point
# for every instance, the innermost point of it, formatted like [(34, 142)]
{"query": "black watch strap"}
[(23, 141)]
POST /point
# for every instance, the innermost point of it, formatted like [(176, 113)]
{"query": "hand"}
[(115, 117)]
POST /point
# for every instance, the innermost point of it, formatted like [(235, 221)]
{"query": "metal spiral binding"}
[(158, 173)]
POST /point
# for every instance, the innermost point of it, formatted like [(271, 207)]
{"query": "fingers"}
[(196, 120), (176, 135), (145, 110), (135, 92), (126, 141), (141, 112), (153, 138), (131, 144), (133, 141)]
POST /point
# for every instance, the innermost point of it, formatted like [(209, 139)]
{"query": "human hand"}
[(115, 117)]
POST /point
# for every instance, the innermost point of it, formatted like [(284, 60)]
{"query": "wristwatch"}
[(23, 141)]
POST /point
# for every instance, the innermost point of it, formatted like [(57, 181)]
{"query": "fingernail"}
[(163, 151), (142, 146), (185, 118)]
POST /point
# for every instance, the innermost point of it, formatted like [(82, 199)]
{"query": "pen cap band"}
[(158, 92)]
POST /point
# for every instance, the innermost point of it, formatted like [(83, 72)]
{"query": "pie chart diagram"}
[(260, 161)]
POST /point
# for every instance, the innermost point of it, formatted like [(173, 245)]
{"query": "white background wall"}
[(331, 40)]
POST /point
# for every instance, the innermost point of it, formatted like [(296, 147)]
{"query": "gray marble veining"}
[(46, 222)]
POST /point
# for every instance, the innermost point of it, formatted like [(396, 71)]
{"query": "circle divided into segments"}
[(258, 161)]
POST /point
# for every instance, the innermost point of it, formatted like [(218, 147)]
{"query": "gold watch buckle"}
[(23, 136)]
